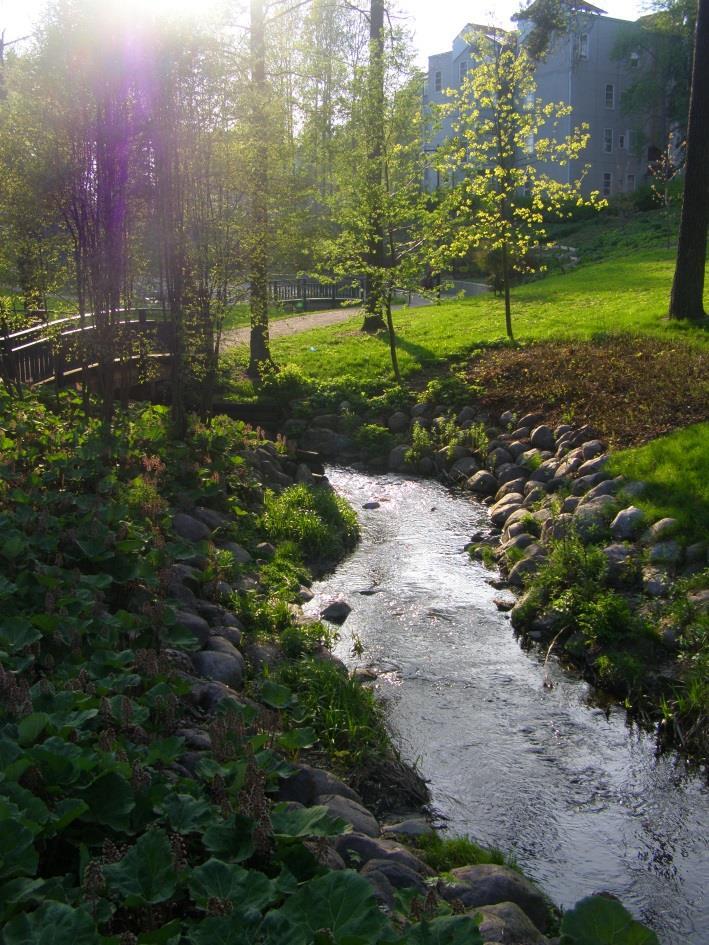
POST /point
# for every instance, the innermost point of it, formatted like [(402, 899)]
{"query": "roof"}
[(575, 6)]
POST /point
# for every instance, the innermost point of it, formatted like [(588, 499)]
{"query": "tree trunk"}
[(392, 340), (687, 299), (375, 302), (506, 288), (260, 354)]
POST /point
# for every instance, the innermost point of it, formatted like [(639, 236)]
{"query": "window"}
[(463, 70), (608, 140), (529, 101), (437, 81), (621, 141), (634, 60), (607, 184), (610, 95), (631, 183), (529, 144), (583, 46)]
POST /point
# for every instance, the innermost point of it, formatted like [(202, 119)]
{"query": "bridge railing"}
[(305, 290), (53, 349)]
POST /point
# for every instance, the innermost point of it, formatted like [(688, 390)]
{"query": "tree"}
[(500, 196), (687, 298)]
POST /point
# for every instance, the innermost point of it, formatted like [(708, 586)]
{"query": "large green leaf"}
[(305, 822), (232, 837), (31, 727), (298, 738), (447, 930), (341, 902), (221, 931), (54, 923), (598, 920), (228, 881), (185, 813), (275, 695), (110, 801), (146, 874)]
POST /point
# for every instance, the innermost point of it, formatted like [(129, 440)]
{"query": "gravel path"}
[(292, 326)]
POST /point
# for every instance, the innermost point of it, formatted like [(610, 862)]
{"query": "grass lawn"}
[(625, 294), (675, 469)]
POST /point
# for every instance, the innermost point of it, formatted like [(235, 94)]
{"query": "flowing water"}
[(573, 790)]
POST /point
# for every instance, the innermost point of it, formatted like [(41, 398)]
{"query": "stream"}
[(552, 775)]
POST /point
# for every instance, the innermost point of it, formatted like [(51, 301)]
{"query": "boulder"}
[(399, 875), (397, 457), (517, 447), (523, 570), (227, 668), (591, 449), (514, 485), (210, 695), (420, 410), (607, 487), (482, 483), (232, 634), (413, 827), (665, 552), (591, 519), (543, 438), (398, 422), (501, 511), (627, 522), (324, 441), (498, 457), (570, 503), (487, 884), (534, 495), (307, 783), (531, 420), (464, 467), (210, 518), (584, 484), (336, 612), (263, 656), (622, 564), (530, 459), (466, 414), (593, 465), (356, 849), (239, 553), (507, 418), (303, 473), (509, 471), (194, 624), (506, 922), (558, 528), (664, 528), (189, 527), (656, 582), (362, 820)]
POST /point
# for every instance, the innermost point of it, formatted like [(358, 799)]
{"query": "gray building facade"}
[(581, 69)]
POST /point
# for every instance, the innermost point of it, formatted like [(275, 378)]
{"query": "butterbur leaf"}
[(167, 935), (448, 930), (232, 837), (146, 874), (227, 881), (31, 727), (185, 813), (54, 923), (275, 695), (298, 738), (598, 920), (16, 633), (18, 856), (67, 811), (341, 903), (305, 822), (110, 801), (221, 931)]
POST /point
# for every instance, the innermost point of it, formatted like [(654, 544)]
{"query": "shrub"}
[(374, 440), (317, 519), (608, 618), (421, 444)]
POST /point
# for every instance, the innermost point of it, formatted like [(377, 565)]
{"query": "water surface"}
[(571, 788)]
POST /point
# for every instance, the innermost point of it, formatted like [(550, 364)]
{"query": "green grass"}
[(447, 853), (675, 470), (239, 315), (625, 294)]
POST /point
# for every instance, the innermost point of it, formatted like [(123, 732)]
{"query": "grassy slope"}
[(628, 293), (675, 469)]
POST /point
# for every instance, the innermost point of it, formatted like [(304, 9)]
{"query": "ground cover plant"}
[(105, 835)]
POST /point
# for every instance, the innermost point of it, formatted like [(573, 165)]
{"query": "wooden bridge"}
[(303, 294), (56, 350)]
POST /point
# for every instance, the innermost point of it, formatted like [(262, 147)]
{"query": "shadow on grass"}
[(423, 356)]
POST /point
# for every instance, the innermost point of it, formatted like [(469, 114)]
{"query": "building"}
[(582, 69)]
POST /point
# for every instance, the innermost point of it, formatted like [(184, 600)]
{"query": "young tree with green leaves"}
[(500, 196)]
